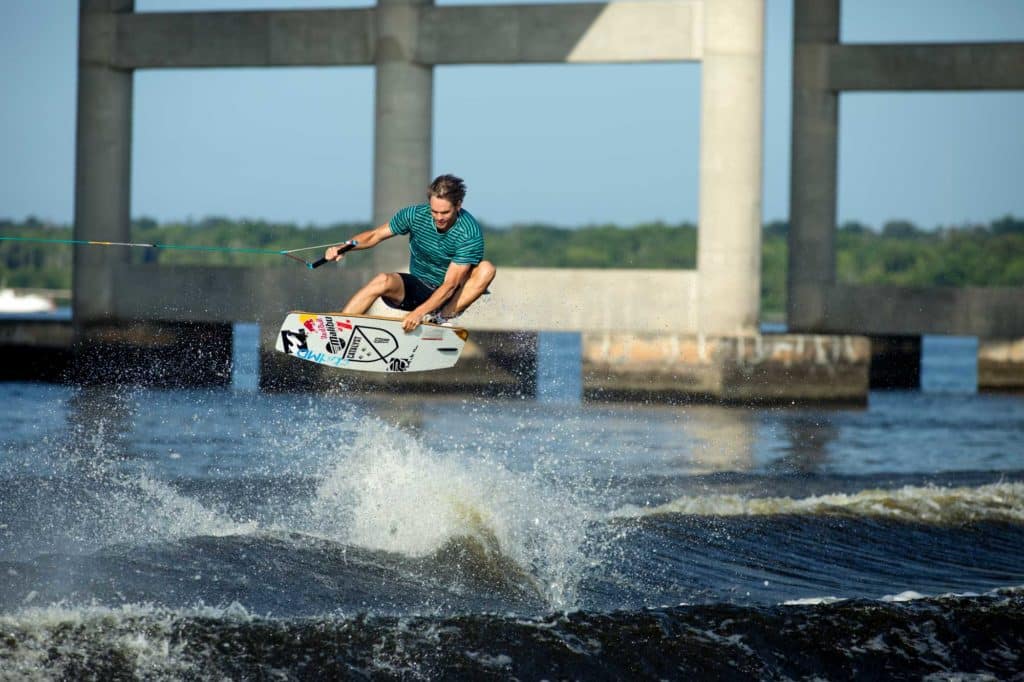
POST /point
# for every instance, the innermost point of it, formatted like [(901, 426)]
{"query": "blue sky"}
[(564, 144)]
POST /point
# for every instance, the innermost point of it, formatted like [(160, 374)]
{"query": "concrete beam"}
[(978, 66), (229, 294), (888, 310), (175, 40), (584, 32), (524, 299), (587, 32), (562, 299)]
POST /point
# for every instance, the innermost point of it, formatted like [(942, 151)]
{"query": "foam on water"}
[(389, 491), (923, 504), (139, 634), (794, 641)]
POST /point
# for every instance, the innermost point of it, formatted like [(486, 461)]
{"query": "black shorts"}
[(416, 292)]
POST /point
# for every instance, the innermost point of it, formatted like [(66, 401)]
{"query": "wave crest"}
[(923, 504)]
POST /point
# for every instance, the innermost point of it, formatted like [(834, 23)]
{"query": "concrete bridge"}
[(653, 333)]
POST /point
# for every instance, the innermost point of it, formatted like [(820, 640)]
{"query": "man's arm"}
[(364, 240), (454, 277)]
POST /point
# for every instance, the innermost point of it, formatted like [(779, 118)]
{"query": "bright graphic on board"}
[(368, 343)]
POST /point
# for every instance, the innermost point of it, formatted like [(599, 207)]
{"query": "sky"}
[(561, 144)]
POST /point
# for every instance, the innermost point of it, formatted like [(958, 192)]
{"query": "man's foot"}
[(440, 319)]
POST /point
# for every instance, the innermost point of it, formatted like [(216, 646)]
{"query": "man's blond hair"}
[(448, 187)]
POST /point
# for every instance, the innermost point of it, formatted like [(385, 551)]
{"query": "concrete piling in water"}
[(128, 352), (768, 369), (1001, 365)]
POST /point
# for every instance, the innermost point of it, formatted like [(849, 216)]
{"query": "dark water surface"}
[(228, 533)]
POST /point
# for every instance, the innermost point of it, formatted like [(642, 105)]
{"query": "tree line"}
[(899, 253)]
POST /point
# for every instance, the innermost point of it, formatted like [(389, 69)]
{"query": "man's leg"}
[(479, 279), (387, 284)]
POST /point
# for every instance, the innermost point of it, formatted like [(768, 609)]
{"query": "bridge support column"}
[(403, 126), (815, 149), (1001, 365), (732, 96), (102, 159)]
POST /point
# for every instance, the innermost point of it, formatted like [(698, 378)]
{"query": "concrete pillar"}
[(732, 102), (403, 123), (815, 145), (768, 369), (1001, 365), (102, 159)]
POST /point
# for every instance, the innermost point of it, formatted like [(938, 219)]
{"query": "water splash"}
[(389, 491)]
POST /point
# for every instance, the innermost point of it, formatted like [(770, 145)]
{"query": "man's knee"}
[(485, 271), (384, 283)]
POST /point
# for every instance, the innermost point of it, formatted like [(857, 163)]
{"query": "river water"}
[(206, 534)]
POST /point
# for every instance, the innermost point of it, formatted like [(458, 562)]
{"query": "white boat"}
[(13, 302)]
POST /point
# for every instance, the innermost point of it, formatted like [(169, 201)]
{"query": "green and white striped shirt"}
[(430, 251)]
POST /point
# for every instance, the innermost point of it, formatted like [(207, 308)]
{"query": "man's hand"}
[(412, 320), (333, 253)]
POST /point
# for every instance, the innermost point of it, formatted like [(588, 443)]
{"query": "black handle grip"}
[(345, 248)]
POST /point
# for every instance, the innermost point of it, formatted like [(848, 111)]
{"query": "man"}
[(447, 272)]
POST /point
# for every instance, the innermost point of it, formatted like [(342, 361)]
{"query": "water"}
[(228, 533)]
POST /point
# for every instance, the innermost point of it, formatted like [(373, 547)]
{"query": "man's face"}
[(444, 212)]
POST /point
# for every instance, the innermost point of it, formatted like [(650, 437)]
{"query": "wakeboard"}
[(368, 343)]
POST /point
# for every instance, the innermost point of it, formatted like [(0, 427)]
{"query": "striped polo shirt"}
[(430, 251)]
